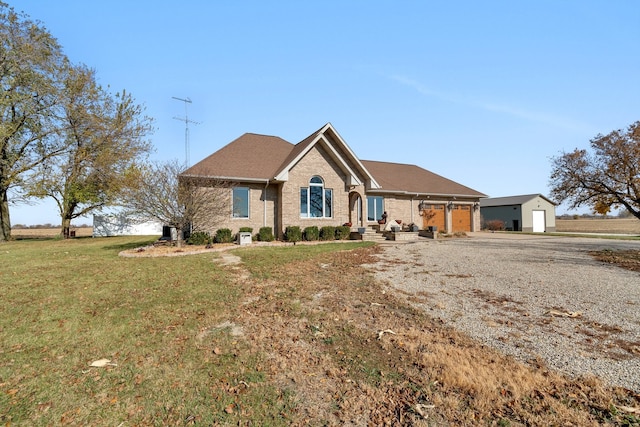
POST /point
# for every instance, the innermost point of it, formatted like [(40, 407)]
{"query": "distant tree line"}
[(623, 214)]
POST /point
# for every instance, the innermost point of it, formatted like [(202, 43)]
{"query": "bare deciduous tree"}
[(609, 177), (176, 200)]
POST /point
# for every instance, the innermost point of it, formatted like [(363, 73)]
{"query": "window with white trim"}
[(375, 208), (316, 201), (240, 207)]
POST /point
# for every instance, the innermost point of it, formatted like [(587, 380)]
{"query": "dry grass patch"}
[(629, 259), (354, 354)]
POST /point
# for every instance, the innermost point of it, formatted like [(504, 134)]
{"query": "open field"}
[(289, 335), (615, 226), (38, 233)]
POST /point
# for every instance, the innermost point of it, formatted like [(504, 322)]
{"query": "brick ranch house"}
[(320, 181)]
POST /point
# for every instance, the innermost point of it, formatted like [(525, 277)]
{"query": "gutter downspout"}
[(412, 199), (264, 205)]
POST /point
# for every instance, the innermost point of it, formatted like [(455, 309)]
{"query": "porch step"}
[(399, 237), (373, 236)]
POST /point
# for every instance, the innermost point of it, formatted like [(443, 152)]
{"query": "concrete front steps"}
[(372, 234)]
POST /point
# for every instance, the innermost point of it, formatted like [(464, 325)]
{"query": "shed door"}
[(461, 218), (538, 222)]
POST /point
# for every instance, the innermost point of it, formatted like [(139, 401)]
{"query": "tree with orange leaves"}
[(606, 177)]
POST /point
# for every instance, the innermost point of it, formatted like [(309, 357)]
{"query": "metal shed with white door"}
[(529, 212)]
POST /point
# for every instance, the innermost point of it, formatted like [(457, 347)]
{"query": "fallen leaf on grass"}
[(386, 331), (420, 410), (101, 363), (629, 409)]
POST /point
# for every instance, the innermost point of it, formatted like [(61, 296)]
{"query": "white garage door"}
[(538, 222)]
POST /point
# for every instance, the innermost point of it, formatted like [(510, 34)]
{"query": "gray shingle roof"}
[(511, 200), (262, 157), (251, 156), (398, 177)]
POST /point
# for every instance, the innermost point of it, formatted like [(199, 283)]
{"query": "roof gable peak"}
[(338, 149)]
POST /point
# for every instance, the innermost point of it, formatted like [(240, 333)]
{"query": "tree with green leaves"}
[(31, 62), (104, 139), (163, 193), (605, 178)]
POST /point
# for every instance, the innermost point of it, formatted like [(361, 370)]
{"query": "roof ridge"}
[(314, 133), (392, 163), (263, 134), (517, 195)]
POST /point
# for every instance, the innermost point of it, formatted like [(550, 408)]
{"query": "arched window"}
[(316, 201)]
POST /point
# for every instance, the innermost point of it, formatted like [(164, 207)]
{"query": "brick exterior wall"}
[(262, 209), (285, 198), (317, 162), (401, 208)]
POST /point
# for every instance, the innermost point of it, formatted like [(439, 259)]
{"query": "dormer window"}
[(316, 201)]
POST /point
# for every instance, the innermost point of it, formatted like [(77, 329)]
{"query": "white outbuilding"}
[(529, 212), (121, 225)]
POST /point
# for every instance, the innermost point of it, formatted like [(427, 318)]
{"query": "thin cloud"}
[(532, 116)]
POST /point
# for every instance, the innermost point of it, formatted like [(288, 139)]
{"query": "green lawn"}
[(66, 304)]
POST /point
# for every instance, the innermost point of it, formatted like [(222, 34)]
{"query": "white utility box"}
[(244, 238)]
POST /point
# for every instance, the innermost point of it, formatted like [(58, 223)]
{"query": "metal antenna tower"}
[(186, 121)]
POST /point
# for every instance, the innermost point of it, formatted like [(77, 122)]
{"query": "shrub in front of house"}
[(311, 233), (223, 235), (343, 232), (494, 225), (265, 234), (293, 234), (328, 232), (199, 238)]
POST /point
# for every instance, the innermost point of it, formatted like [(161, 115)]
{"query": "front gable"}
[(337, 150)]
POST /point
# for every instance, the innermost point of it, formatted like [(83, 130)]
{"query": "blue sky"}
[(481, 92)]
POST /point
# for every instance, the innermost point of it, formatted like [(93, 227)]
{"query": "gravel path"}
[(533, 297)]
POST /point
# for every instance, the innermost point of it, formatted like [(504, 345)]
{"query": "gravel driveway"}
[(533, 297)]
